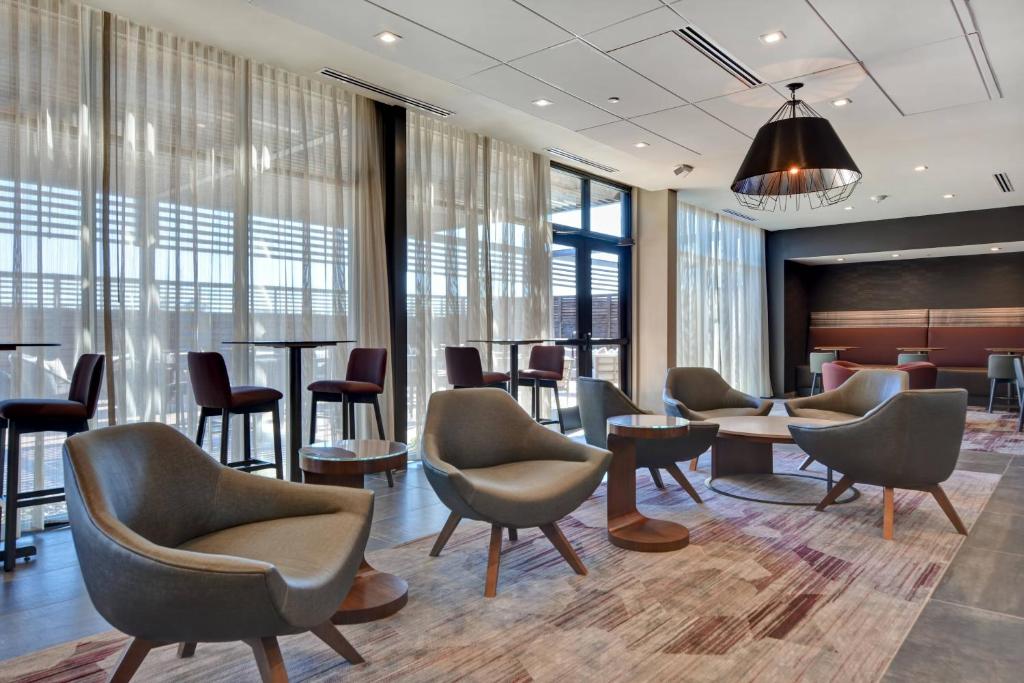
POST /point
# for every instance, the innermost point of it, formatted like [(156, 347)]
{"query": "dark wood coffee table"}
[(374, 594)]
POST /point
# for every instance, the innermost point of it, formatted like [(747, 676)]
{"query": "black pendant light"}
[(796, 154)]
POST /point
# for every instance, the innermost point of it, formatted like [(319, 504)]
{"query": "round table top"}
[(354, 449), (770, 428), (648, 426)]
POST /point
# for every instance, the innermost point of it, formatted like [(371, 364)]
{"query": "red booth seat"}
[(923, 375)]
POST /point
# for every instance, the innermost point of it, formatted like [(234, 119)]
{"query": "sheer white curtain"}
[(479, 249), (722, 320)]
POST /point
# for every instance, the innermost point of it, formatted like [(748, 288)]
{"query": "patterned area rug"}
[(763, 592), (994, 432)]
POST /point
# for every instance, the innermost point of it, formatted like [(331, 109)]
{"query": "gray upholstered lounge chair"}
[(911, 441), (600, 399), (702, 393), (176, 548), (488, 460)]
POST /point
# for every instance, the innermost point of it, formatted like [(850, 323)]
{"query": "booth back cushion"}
[(967, 332), (878, 333)]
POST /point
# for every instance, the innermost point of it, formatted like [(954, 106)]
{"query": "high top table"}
[(294, 390), (513, 357)]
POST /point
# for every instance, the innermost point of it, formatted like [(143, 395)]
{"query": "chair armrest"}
[(542, 443), (734, 398), (858, 448)]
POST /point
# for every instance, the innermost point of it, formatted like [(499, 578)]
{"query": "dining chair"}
[(816, 360), (20, 416), (1000, 371), (215, 396)]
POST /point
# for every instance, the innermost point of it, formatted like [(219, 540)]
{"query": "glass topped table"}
[(628, 527), (374, 594)]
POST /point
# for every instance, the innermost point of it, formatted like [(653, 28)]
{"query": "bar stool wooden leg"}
[(380, 420), (278, 455), (344, 418), (201, 429), (11, 503), (312, 420), (558, 410), (225, 427), (351, 419), (247, 436)]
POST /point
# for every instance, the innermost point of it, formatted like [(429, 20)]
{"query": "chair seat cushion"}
[(35, 408), (245, 396), (341, 386), (495, 377), (309, 552), (532, 492), (540, 374), (826, 415)]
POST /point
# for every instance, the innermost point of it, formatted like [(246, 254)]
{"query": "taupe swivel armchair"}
[(176, 548), (702, 393), (865, 390), (488, 460), (911, 441), (600, 399)]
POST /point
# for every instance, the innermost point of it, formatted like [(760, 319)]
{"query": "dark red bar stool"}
[(544, 371), (363, 383), (215, 396), (29, 415), (465, 370)]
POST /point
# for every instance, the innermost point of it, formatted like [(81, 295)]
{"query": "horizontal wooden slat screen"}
[(914, 317), (976, 317)]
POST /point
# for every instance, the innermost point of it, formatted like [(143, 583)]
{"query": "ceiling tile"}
[(358, 23), (869, 106), (930, 77), (623, 136), (636, 29), (670, 61), (585, 16), (516, 89), (499, 28), (874, 27), (746, 110), (591, 75), (1001, 24), (737, 25), (692, 128)]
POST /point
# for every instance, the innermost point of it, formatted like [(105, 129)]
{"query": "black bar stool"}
[(545, 370), (465, 370)]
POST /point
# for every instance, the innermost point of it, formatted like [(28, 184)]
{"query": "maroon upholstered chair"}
[(834, 373), (216, 397), (545, 370), (465, 370), (923, 375), (363, 383), (28, 415)]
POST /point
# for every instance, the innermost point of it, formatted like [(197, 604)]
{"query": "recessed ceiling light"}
[(995, 248), (640, 145), (840, 259), (948, 195), (847, 208), (895, 255), (920, 168), (542, 103), (879, 197), (613, 100), (841, 102), (388, 37), (773, 37)]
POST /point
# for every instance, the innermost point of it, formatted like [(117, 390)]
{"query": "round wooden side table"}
[(627, 527), (374, 594)]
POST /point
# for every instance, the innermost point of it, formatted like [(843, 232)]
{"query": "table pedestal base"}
[(735, 456), (374, 595)]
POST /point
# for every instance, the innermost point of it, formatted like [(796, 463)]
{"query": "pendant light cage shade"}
[(795, 157)]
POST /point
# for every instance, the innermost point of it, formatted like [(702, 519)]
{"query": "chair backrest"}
[(86, 381), (367, 365), (479, 427), (922, 374), (549, 358), (867, 389), (463, 366), (904, 358), (697, 388), (931, 425), (1000, 366), (835, 373), (819, 358), (209, 376), (599, 399)]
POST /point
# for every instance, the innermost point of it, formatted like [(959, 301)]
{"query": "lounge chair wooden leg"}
[(888, 510), (186, 650), (693, 464), (446, 533), (268, 659), (836, 491), (493, 562), (131, 659), (656, 476), (947, 507), (806, 463), (391, 478), (563, 546), (330, 634), (678, 475)]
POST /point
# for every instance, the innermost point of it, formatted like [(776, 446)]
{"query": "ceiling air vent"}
[(741, 216), (554, 151), (1003, 181), (405, 99), (719, 56)]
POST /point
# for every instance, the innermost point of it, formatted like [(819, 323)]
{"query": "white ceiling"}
[(903, 255), (935, 82)]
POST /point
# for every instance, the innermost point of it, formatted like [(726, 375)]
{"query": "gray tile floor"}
[(971, 629)]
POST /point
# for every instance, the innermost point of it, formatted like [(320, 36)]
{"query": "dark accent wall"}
[(791, 286)]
